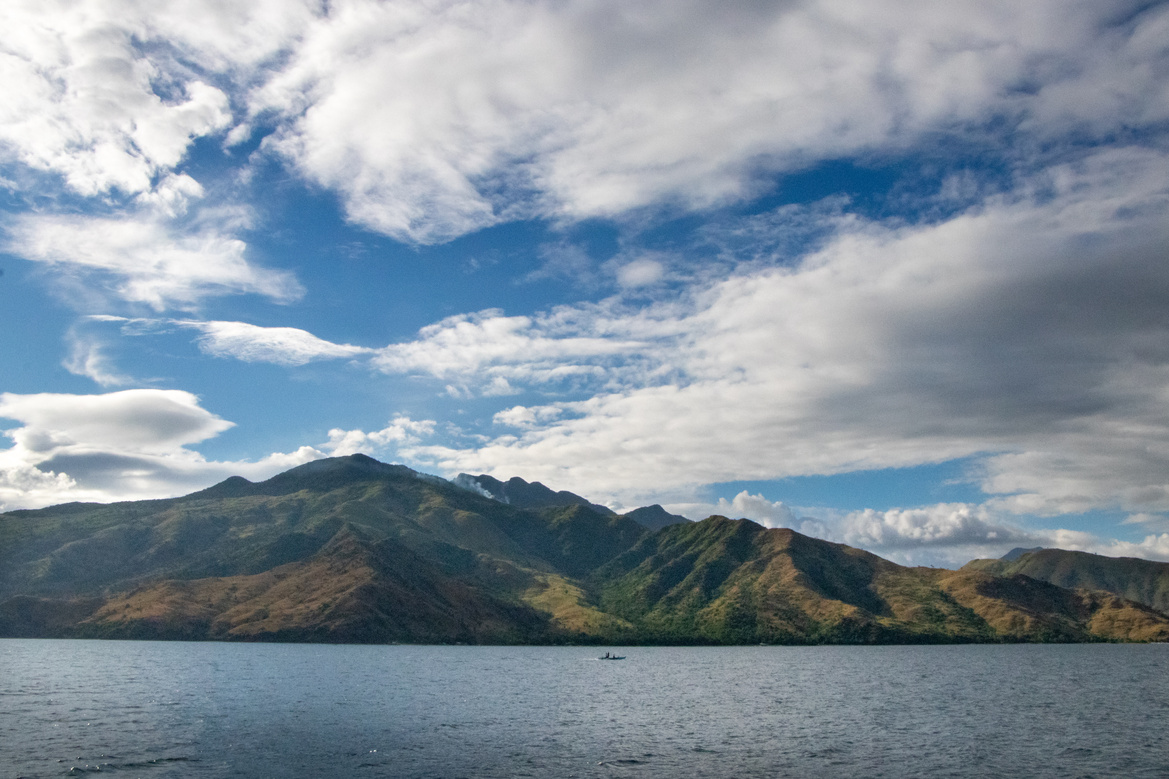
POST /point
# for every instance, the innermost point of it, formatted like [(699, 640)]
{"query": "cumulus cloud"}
[(145, 260), (944, 524), (437, 119), (943, 534), (950, 534), (132, 444), (105, 98), (402, 431), (522, 416), (1026, 330), (765, 512)]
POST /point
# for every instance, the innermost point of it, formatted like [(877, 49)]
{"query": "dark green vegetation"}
[(1143, 581), (353, 550)]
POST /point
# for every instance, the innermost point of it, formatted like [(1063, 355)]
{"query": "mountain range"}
[(349, 549)]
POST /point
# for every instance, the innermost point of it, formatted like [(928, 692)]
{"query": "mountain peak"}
[(333, 472), (655, 517), (231, 487), (523, 494)]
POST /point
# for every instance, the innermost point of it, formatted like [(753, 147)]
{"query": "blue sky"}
[(890, 273)]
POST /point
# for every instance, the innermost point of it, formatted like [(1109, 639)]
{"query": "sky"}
[(893, 273)]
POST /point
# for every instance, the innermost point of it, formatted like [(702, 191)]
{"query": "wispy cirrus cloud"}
[(284, 346), (88, 356), (487, 349), (143, 260)]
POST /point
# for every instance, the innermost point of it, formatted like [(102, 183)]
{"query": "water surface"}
[(152, 709)]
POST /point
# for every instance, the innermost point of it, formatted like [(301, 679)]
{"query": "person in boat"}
[(606, 655)]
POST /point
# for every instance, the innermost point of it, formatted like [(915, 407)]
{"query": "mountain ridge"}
[(353, 550)]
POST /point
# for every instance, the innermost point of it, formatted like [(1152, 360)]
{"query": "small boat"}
[(611, 657)]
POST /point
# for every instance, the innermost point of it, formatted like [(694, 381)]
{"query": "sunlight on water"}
[(236, 710)]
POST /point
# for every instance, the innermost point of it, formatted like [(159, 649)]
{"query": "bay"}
[(161, 709)]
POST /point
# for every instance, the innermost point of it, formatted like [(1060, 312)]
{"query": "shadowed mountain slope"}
[(354, 590), (1143, 581), (655, 517)]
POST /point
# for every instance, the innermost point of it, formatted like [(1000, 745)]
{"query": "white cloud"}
[(499, 387), (522, 416), (143, 260), (1026, 331), (80, 102), (1157, 522), (436, 119), (24, 486), (640, 273), (492, 351), (149, 421), (110, 94), (286, 346), (948, 534), (951, 534), (943, 534), (944, 524), (400, 432), (171, 196), (88, 357), (433, 120), (765, 512), (123, 445)]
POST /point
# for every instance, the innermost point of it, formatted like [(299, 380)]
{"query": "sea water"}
[(150, 709)]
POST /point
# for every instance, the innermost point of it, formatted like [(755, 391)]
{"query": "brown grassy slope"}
[(354, 590), (1143, 581), (1021, 608)]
